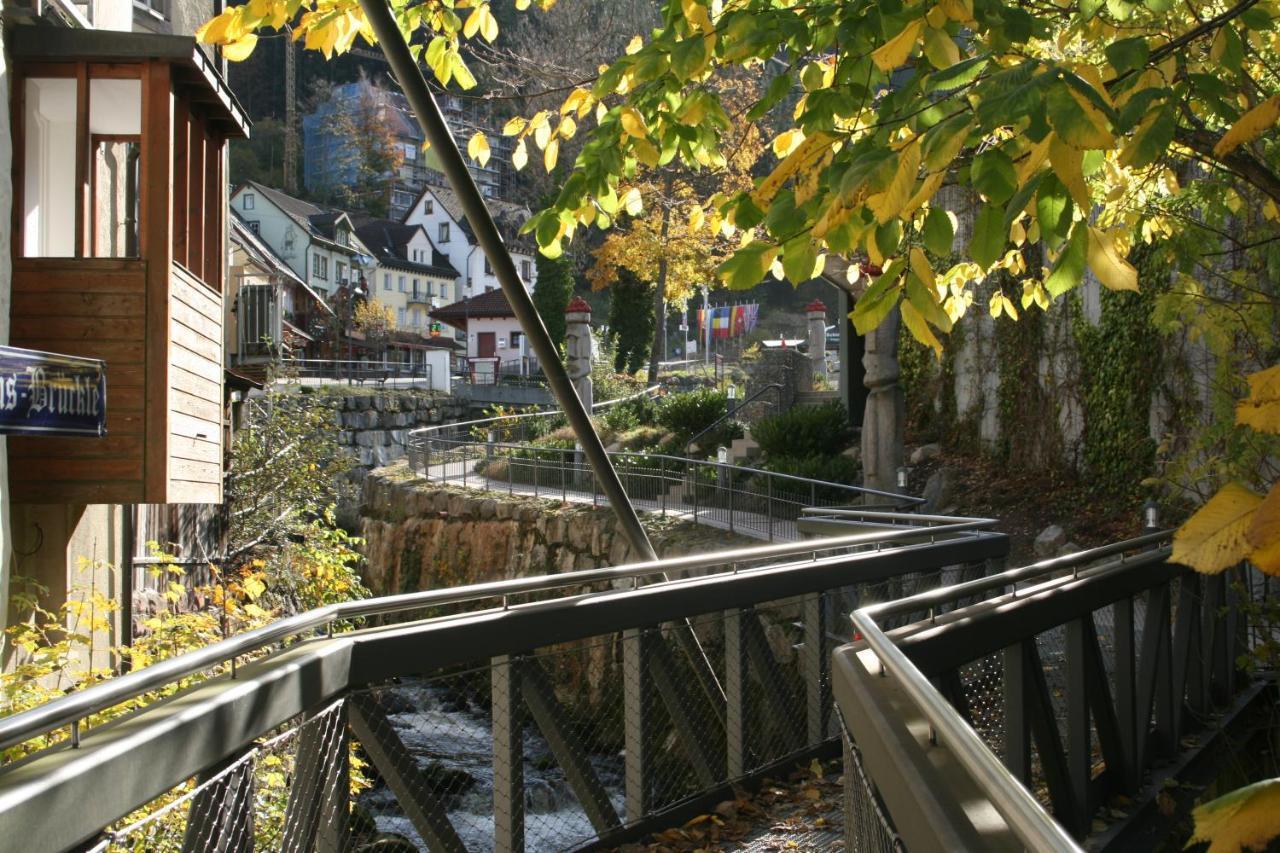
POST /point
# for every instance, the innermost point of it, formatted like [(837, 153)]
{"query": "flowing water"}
[(451, 739)]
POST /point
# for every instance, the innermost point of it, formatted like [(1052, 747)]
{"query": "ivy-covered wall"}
[(1083, 387)]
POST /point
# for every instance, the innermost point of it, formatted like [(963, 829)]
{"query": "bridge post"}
[(735, 679), (817, 695), (508, 756), (638, 729)]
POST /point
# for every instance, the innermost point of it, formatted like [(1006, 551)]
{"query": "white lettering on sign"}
[(58, 394)]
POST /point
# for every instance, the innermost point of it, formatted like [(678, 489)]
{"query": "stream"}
[(451, 740)]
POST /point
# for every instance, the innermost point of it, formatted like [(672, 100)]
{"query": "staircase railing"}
[(733, 410), (521, 714), (1106, 660)]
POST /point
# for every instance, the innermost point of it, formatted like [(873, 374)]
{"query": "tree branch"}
[(1240, 162)]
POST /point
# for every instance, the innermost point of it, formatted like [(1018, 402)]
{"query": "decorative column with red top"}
[(816, 312), (577, 347)]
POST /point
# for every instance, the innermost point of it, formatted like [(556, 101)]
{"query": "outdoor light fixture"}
[(902, 477), (1151, 515), (733, 392), (722, 455)]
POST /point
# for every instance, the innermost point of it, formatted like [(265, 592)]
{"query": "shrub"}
[(691, 412), (812, 431), (636, 412), (845, 470), (641, 438)]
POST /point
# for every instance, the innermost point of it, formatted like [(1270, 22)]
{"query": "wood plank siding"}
[(94, 308), (195, 390)]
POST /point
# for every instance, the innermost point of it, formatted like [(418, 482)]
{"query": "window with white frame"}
[(248, 201), (525, 271), (255, 226), (401, 282), (444, 232), (386, 281), (428, 206), (319, 266)]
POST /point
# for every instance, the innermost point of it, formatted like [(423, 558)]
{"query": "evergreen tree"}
[(630, 321), (552, 293)]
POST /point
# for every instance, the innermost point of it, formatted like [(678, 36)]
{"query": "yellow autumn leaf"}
[(238, 51), (919, 329), (633, 123), (928, 187), (1067, 165), (1033, 158), (787, 142), (1245, 819), (1263, 534), (1214, 538), (958, 10), (1249, 126), (1112, 270), (478, 148), (1261, 409), (696, 218), (520, 156), (893, 53), (889, 204), (514, 126), (634, 45), (550, 154), (921, 267), (631, 201)]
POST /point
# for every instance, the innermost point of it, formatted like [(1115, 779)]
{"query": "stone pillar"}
[(577, 348), (817, 314), (883, 422)]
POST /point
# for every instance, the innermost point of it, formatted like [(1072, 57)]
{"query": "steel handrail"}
[(774, 386), (421, 431), (70, 709), (1018, 806), (897, 499)]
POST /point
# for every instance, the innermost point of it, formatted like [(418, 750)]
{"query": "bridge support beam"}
[(508, 756), (396, 765)]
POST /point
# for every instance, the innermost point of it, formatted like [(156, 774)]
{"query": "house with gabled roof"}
[(272, 313), (319, 244), (439, 212)]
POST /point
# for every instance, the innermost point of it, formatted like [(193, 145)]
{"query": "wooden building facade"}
[(120, 248)]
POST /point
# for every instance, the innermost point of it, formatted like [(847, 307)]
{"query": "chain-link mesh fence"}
[(287, 792)]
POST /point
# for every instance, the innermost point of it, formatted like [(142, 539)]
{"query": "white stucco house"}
[(439, 212), (495, 343), (317, 243)]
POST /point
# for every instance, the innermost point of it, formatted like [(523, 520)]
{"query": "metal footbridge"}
[(977, 707)]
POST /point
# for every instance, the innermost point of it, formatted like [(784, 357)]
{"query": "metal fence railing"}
[(357, 372), (1053, 689), (530, 714)]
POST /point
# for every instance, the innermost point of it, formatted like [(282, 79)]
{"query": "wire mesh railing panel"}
[(290, 791), (429, 744), (573, 742), (868, 827)]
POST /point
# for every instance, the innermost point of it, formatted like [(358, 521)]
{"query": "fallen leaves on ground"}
[(779, 816)]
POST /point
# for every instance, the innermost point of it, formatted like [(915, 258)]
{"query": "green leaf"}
[(688, 57), (1079, 122), (1128, 54), (993, 175), (960, 74), (939, 234), (811, 77), (798, 258), (1089, 8), (1068, 272), (1053, 211), (1020, 199), (889, 237), (874, 305), (989, 236), (748, 265), (1152, 141), (943, 143)]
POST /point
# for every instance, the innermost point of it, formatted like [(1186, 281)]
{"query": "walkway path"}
[(649, 491)]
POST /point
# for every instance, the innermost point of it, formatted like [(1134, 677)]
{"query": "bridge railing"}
[(354, 370), (750, 501), (1025, 705), (539, 713)]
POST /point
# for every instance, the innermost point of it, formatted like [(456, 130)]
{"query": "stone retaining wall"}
[(422, 535)]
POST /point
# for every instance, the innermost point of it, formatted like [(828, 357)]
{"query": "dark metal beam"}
[(396, 766), (569, 753), (437, 132)]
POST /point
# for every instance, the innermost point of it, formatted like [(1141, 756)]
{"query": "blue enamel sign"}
[(43, 393)]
